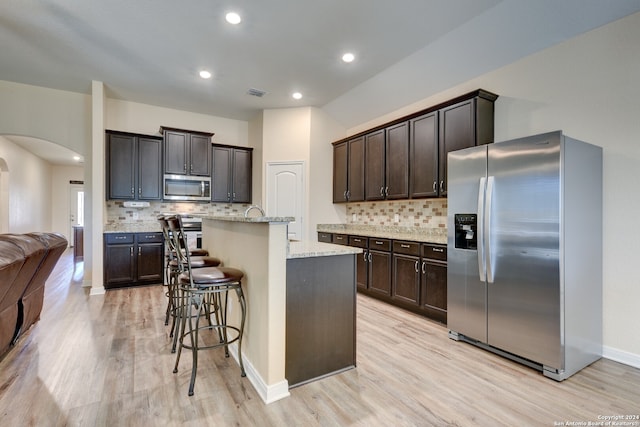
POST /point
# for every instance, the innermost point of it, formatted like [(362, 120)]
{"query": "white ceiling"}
[(150, 51)]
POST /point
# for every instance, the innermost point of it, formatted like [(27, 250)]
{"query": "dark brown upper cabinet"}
[(407, 158), (134, 166), (232, 174), (186, 152), (423, 155), (348, 170), (462, 125), (386, 163)]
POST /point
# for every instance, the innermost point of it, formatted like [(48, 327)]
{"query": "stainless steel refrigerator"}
[(524, 272)]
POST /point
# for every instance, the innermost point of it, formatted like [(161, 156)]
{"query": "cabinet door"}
[(150, 262), (175, 152), (340, 169), (356, 183), (424, 156), (220, 180), (199, 155), (149, 167), (374, 171), (397, 162), (121, 156), (457, 131), (119, 264), (406, 279), (241, 176), (434, 289), (380, 272)]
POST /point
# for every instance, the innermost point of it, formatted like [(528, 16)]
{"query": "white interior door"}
[(76, 208), (285, 194)]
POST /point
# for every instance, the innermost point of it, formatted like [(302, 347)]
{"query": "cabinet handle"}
[(357, 240), (344, 195), (435, 187), (386, 192), (348, 194), (364, 256), (140, 191), (441, 186), (416, 267), (402, 245), (184, 167), (424, 267), (133, 191), (131, 251), (382, 191), (234, 195), (369, 256), (378, 242), (437, 250), (149, 236), (139, 251), (120, 237)]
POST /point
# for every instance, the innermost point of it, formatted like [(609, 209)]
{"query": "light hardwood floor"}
[(106, 361)]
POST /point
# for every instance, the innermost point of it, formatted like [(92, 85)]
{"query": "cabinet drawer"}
[(358, 241), (437, 252), (324, 237), (118, 238), (405, 247), (340, 239), (380, 244), (149, 237)]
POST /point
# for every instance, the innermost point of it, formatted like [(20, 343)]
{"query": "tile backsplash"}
[(429, 213), (117, 213)]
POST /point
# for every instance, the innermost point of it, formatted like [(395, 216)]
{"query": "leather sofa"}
[(26, 261)]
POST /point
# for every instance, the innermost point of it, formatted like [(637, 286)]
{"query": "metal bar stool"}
[(199, 259), (204, 292)]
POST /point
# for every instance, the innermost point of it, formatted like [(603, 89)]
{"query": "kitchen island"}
[(309, 274)]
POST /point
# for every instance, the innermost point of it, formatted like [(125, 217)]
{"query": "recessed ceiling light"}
[(233, 18), (296, 95), (205, 74), (348, 57), (76, 158)]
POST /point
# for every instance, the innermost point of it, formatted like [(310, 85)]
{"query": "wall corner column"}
[(97, 192)]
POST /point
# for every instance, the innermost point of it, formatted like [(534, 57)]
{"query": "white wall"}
[(146, 119), (588, 87), (54, 115), (304, 134), (29, 189)]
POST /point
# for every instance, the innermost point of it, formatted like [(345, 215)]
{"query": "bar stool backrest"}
[(179, 241)]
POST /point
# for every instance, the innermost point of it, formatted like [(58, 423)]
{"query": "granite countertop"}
[(133, 227), (310, 249), (414, 234), (254, 219)]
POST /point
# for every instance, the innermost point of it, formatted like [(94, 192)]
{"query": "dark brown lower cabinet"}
[(408, 274), (132, 259)]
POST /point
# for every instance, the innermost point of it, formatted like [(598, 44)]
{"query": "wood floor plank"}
[(106, 361)]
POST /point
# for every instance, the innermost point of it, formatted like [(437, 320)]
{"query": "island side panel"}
[(259, 250), (321, 317)]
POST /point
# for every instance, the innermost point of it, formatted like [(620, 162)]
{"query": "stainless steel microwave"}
[(187, 188)]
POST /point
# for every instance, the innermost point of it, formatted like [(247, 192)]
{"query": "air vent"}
[(256, 92)]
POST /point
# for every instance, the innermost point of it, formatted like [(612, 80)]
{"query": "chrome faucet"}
[(250, 208)]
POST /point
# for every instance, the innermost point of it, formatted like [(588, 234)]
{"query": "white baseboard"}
[(268, 393), (97, 291), (621, 356)]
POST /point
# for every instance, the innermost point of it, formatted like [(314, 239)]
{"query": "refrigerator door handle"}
[(487, 229), (481, 259)]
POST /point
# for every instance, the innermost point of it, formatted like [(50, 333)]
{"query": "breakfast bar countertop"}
[(309, 249)]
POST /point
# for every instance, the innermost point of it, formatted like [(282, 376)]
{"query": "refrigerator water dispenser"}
[(466, 229)]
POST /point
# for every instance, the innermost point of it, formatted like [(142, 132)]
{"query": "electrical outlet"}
[(396, 218), (135, 215), (354, 217)]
